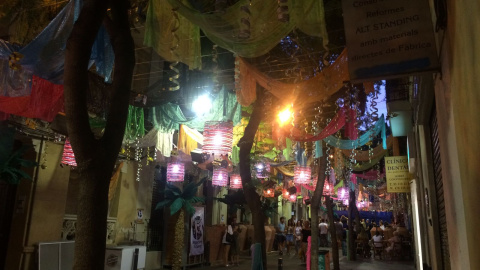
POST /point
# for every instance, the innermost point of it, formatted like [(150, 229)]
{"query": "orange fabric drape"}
[(322, 86), (186, 144), (113, 182)]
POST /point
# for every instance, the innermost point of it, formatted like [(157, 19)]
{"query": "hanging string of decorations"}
[(175, 43), (244, 32), (217, 137), (175, 172), (282, 11), (262, 170), (220, 177)]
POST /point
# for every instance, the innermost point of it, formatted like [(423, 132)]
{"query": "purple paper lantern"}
[(175, 172), (220, 177)]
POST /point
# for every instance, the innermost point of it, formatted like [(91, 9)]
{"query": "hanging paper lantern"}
[(175, 172), (285, 194), (262, 170), (342, 193), (218, 137), (345, 202), (269, 193), (235, 181), (292, 198), (327, 189), (302, 175), (68, 157), (220, 177)]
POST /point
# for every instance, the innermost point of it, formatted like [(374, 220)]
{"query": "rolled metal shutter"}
[(437, 172)]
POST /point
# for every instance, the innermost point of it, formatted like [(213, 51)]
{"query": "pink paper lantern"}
[(175, 172), (220, 177), (217, 137), (262, 170), (327, 189), (292, 198), (342, 193), (235, 181), (302, 175), (68, 157), (286, 194), (345, 202)]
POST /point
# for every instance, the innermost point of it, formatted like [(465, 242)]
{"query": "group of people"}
[(230, 242), (292, 234)]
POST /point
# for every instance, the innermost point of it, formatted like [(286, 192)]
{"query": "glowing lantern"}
[(292, 198), (345, 202), (342, 193), (175, 172), (302, 175), (269, 193), (327, 189), (220, 177), (68, 157), (262, 170), (235, 181), (285, 194), (217, 137)]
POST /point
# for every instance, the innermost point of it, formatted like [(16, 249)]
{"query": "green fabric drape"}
[(159, 27), (169, 116), (368, 165), (224, 28)]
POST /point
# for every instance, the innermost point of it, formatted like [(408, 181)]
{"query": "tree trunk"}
[(96, 157), (316, 200), (251, 195), (179, 240), (333, 234), (351, 238)]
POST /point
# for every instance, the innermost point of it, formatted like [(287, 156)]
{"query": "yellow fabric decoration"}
[(113, 182), (186, 143)]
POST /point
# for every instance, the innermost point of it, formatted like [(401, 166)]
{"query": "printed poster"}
[(197, 232)]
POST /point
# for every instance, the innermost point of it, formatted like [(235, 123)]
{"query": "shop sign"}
[(387, 38), (197, 232), (396, 169)]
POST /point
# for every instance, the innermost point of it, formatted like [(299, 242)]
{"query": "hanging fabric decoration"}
[(14, 83), (188, 50), (225, 28), (218, 137), (370, 175), (351, 130), (378, 151), (45, 101), (169, 116), (68, 156), (175, 172), (235, 181), (363, 139), (323, 85), (220, 177), (302, 175), (367, 165), (188, 139), (44, 56), (335, 125), (165, 142)]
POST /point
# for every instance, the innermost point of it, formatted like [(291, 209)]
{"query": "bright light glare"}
[(202, 105), (269, 191), (260, 166), (302, 175), (284, 116), (175, 169), (218, 139)]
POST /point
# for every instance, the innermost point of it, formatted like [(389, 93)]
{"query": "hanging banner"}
[(197, 231), (388, 38), (396, 169)]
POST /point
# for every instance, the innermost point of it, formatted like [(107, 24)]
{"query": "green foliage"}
[(235, 201), (175, 198), (11, 164)]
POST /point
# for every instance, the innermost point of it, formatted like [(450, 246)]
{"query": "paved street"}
[(293, 263)]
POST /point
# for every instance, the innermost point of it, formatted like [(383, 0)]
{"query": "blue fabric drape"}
[(363, 139)]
